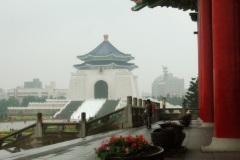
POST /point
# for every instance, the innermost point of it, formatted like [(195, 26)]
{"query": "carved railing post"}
[(157, 105), (154, 118), (128, 113), (83, 126), (139, 103), (143, 103), (183, 111), (38, 132), (164, 108), (129, 100), (134, 102), (164, 102)]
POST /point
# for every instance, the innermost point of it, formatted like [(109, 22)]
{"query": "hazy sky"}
[(42, 38)]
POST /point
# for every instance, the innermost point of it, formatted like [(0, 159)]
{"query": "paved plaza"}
[(83, 148)]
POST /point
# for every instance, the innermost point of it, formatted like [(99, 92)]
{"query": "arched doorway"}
[(101, 89)]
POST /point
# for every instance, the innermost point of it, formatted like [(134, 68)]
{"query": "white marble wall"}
[(121, 83)]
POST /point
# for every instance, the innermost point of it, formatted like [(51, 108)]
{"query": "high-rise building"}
[(105, 73), (49, 92), (36, 83), (167, 84), (3, 94)]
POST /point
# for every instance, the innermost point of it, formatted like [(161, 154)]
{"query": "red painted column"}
[(206, 61), (199, 65), (226, 47)]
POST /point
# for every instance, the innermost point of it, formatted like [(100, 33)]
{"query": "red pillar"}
[(199, 66), (206, 61), (226, 47)]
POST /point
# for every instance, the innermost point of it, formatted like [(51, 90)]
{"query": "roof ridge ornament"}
[(105, 36)]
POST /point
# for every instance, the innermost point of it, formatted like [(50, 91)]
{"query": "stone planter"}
[(168, 137), (154, 153), (186, 120)]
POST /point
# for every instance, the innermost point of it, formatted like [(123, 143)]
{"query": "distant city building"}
[(3, 94), (49, 92), (51, 86), (167, 84), (34, 84), (105, 73)]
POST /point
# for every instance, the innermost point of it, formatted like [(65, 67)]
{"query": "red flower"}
[(139, 137), (112, 139), (120, 146), (127, 150), (134, 144)]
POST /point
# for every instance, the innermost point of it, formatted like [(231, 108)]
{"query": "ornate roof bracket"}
[(194, 16), (139, 5), (180, 4)]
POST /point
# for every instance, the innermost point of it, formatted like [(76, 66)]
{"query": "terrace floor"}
[(83, 148)]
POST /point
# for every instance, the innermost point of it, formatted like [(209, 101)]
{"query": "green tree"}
[(28, 99), (168, 97), (13, 102), (3, 106), (191, 98)]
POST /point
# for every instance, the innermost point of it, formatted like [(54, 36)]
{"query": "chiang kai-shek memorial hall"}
[(218, 34), (105, 73)]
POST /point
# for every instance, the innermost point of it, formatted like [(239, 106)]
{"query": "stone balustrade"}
[(132, 115), (126, 117)]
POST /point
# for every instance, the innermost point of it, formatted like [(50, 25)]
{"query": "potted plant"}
[(186, 120), (134, 148), (170, 135)]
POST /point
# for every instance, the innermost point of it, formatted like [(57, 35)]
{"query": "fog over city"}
[(41, 39)]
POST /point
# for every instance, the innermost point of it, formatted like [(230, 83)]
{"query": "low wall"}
[(13, 112)]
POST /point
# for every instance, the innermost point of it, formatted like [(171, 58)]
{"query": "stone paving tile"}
[(45, 157), (196, 154), (196, 133), (77, 152), (196, 142), (86, 157), (64, 157), (185, 142), (227, 156)]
